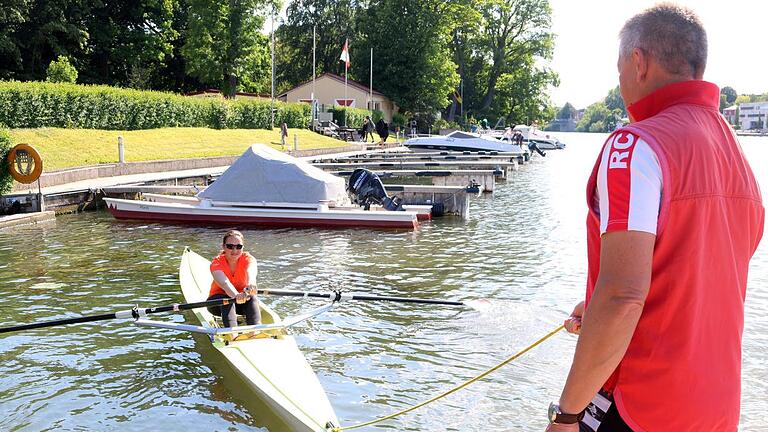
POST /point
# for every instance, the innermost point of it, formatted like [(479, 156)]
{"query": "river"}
[(523, 248)]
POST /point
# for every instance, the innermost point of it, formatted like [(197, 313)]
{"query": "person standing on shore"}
[(675, 215)]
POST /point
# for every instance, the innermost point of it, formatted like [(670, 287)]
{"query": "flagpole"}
[(272, 104), (371, 89), (346, 76), (314, 108)]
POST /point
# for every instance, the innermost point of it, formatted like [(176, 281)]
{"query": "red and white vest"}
[(682, 370)]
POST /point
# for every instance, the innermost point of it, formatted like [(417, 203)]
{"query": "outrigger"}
[(266, 355)]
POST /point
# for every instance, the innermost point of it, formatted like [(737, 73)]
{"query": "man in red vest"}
[(675, 215)]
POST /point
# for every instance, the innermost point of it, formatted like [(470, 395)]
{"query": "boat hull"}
[(272, 367), (263, 217)]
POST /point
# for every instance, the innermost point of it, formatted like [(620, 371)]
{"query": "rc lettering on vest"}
[(621, 148)]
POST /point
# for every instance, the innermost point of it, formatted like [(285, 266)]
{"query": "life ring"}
[(24, 163)]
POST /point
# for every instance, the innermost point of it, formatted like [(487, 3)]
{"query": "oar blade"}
[(480, 305)]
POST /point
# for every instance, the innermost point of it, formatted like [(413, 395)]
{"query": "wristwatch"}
[(557, 416)]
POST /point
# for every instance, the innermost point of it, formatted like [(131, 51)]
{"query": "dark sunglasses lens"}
[(233, 246)]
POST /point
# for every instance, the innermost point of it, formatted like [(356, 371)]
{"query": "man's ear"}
[(640, 61)]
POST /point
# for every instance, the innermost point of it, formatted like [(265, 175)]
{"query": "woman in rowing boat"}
[(234, 276)]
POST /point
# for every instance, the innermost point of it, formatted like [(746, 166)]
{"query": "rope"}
[(455, 389)]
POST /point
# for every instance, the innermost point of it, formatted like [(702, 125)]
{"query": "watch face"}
[(553, 410)]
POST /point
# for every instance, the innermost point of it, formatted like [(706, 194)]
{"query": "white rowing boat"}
[(271, 363)]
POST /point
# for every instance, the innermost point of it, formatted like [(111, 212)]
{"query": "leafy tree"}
[(12, 14), (419, 74), (49, 29), (129, 42), (568, 111), (730, 94), (614, 101), (519, 96), (223, 43), (513, 32), (333, 21), (597, 118), (61, 71)]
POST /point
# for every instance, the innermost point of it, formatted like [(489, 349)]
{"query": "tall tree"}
[(614, 101), (730, 94), (568, 111), (223, 43), (12, 14), (129, 42), (333, 22), (413, 64), (513, 32), (49, 29)]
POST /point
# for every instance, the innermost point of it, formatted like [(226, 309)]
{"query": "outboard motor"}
[(366, 188)]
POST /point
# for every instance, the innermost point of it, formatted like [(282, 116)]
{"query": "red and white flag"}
[(345, 53)]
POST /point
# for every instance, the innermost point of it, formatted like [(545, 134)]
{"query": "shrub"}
[(6, 181), (39, 104), (61, 71), (355, 116), (398, 120)]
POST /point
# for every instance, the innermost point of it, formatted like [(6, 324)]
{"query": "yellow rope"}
[(455, 389)]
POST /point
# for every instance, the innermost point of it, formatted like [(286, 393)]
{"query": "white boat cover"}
[(265, 175)]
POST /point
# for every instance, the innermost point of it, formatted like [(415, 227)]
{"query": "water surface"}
[(523, 247)]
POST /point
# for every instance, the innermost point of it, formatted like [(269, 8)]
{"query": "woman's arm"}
[(223, 282)]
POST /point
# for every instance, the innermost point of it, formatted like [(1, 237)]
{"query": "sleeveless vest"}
[(682, 370)]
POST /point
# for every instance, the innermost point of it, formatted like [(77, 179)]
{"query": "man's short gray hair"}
[(672, 34)]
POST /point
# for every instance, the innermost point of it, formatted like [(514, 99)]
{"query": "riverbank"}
[(70, 148)]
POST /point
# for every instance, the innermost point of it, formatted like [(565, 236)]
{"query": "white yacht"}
[(463, 141)]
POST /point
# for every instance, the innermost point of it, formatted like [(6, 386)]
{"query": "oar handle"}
[(134, 313)]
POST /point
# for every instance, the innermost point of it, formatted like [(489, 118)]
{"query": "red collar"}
[(695, 92)]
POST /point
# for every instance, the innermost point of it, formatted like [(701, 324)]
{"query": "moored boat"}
[(463, 141), (268, 188)]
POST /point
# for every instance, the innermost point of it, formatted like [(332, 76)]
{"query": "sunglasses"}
[(233, 246)]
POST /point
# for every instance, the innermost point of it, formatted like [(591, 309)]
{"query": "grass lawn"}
[(66, 148)]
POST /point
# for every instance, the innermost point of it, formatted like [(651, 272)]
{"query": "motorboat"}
[(463, 141), (268, 188), (542, 140)]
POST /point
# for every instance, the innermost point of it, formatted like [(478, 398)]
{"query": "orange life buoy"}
[(24, 163)]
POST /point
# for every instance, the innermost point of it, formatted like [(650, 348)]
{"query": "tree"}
[(333, 21), (12, 15), (568, 111), (61, 71), (513, 32), (730, 95), (520, 99), (419, 74), (614, 101), (597, 118), (129, 42), (223, 43)]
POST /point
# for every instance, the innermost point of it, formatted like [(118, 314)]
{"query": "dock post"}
[(295, 142), (120, 152)]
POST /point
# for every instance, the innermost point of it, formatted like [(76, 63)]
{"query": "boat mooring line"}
[(455, 389)]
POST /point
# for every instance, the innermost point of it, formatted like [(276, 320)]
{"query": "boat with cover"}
[(463, 141), (269, 361), (265, 187)]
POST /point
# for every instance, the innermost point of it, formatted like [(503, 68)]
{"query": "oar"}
[(344, 296), (134, 313)]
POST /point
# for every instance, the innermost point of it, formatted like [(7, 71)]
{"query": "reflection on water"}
[(523, 248)]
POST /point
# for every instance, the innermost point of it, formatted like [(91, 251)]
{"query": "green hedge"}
[(355, 116), (38, 104), (6, 181)]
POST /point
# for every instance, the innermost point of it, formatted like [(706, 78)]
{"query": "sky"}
[(586, 47)]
